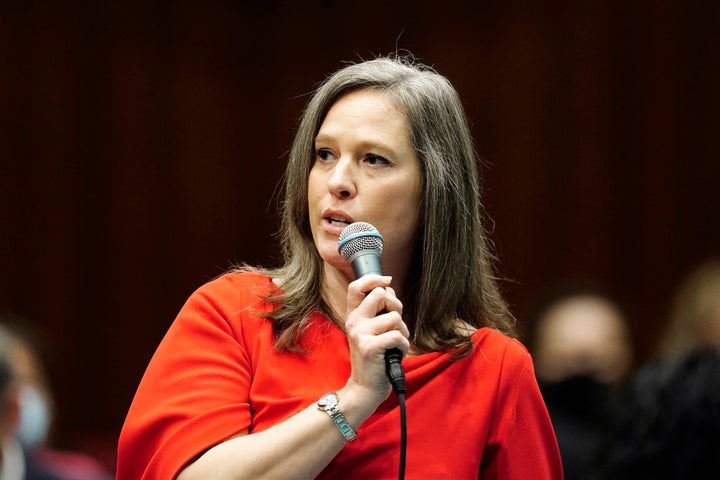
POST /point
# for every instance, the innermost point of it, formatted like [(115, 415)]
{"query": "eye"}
[(323, 154), (374, 159)]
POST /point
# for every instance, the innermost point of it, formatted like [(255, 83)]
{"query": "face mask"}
[(32, 430), (579, 395)]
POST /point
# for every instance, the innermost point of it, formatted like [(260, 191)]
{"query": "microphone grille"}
[(358, 237)]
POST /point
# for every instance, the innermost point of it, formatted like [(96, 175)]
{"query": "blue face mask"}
[(34, 424)]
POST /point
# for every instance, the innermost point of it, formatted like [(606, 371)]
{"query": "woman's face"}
[(365, 169)]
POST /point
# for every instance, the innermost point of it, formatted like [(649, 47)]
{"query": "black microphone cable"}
[(396, 374)]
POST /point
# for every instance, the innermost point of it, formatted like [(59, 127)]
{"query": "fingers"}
[(372, 294), (374, 310), (363, 286), (377, 334)]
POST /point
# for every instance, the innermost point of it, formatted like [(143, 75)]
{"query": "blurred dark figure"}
[(583, 351), (27, 416), (670, 429)]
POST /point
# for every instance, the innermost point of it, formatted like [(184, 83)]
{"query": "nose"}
[(341, 183)]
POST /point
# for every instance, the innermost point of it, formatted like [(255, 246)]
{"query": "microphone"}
[(361, 244)]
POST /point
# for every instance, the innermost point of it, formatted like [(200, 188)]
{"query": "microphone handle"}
[(365, 263)]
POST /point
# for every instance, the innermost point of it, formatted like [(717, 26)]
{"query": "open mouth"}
[(338, 221)]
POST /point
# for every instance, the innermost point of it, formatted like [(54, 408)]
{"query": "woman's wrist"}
[(357, 403)]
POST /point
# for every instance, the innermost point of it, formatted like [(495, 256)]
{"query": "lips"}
[(337, 219)]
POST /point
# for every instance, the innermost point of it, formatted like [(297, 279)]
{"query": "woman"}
[(232, 391)]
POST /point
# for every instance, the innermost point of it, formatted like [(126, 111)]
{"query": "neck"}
[(334, 291)]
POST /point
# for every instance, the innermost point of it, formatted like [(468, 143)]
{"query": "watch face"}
[(328, 400)]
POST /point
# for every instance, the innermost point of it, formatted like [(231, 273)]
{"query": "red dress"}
[(216, 373)]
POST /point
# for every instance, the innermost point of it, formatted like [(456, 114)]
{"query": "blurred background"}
[(141, 146)]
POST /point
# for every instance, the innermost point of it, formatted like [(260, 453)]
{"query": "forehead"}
[(367, 114), (367, 103)]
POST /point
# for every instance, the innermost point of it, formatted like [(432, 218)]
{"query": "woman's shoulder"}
[(234, 291), (231, 302), (495, 344), (239, 281)]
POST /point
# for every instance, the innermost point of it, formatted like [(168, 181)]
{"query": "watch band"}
[(329, 404)]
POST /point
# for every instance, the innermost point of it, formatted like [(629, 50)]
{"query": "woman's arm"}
[(304, 444), (299, 447)]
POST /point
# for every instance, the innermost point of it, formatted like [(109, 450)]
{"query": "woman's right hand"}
[(373, 324)]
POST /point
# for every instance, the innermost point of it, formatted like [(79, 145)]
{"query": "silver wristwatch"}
[(329, 404)]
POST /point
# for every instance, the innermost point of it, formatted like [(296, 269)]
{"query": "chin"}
[(328, 253)]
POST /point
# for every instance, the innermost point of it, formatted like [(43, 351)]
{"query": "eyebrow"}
[(366, 144)]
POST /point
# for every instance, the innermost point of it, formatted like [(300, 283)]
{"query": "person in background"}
[(16, 461), (12, 462), (694, 316), (280, 373), (30, 409), (670, 426), (582, 346)]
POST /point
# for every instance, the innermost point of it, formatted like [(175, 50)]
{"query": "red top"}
[(216, 373)]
